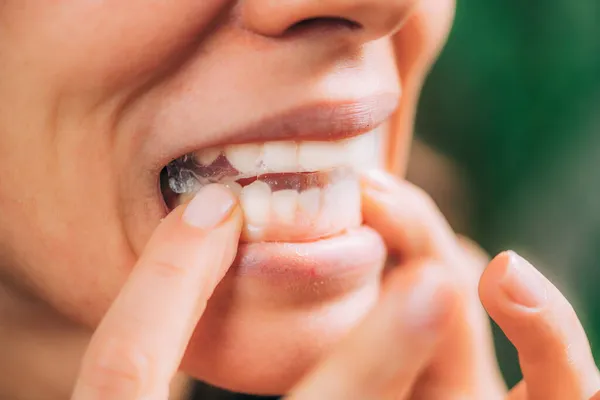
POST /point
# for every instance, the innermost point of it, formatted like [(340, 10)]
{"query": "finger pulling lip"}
[(352, 255)]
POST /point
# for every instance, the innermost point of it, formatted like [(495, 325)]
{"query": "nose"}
[(368, 19)]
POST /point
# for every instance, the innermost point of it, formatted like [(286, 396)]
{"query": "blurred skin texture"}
[(97, 97)]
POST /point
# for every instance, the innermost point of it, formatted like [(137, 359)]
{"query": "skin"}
[(406, 347), (92, 107), (96, 92)]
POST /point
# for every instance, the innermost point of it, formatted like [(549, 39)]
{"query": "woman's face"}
[(97, 97)]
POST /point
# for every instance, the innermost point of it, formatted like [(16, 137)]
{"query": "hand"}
[(428, 338), (554, 352), (139, 344)]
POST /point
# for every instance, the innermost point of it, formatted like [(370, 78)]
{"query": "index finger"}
[(554, 351), (140, 342)]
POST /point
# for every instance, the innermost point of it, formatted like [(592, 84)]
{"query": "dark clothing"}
[(205, 392)]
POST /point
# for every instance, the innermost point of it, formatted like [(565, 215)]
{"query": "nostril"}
[(323, 24)]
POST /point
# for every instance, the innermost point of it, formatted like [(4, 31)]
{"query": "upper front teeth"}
[(279, 157), (323, 155), (244, 157)]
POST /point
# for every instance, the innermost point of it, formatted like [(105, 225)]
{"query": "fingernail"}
[(210, 207), (379, 180), (522, 284)]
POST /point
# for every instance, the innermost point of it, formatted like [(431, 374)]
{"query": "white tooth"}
[(309, 202), (361, 151), (256, 203), (208, 156), (285, 204), (379, 143), (280, 156), (318, 156), (235, 187), (342, 201), (244, 157), (252, 233), (351, 195)]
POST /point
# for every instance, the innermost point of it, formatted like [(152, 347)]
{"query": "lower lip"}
[(356, 254)]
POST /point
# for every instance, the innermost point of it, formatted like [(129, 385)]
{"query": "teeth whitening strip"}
[(282, 165)]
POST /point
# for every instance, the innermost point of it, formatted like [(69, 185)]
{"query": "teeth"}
[(341, 200), (349, 191), (256, 203), (361, 151), (317, 156), (235, 187), (280, 156), (289, 214), (285, 203), (253, 233), (244, 157), (208, 156), (309, 202)]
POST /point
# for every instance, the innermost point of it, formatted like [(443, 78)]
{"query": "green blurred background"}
[(514, 101), (512, 107)]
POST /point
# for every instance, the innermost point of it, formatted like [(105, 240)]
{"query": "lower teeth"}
[(277, 207)]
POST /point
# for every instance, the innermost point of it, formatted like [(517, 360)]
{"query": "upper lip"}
[(320, 121)]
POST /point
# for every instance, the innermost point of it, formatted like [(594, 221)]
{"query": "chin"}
[(261, 335)]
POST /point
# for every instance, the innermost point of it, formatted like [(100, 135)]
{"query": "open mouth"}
[(290, 191)]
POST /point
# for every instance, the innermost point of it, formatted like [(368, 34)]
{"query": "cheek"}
[(78, 274), (107, 42), (417, 47), (423, 36), (64, 243)]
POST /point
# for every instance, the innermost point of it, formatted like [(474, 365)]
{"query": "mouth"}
[(300, 194), (290, 190)]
